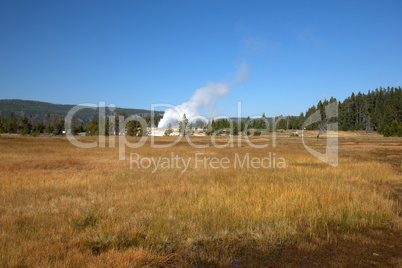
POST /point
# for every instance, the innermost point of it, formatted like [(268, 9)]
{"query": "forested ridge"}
[(38, 110)]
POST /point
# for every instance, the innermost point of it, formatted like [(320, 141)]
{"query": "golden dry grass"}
[(65, 206)]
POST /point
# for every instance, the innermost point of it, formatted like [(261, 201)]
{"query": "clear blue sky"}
[(134, 53)]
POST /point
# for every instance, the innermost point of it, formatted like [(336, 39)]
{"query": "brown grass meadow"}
[(62, 206)]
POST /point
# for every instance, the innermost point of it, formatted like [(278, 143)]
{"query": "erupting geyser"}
[(202, 97)]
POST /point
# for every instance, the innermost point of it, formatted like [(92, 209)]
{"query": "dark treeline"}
[(54, 124), (234, 127), (379, 110)]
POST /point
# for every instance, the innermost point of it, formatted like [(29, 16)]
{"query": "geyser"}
[(202, 97)]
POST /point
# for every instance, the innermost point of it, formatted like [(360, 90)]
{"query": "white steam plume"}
[(202, 97), (242, 73)]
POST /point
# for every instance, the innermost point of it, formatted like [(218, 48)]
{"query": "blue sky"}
[(134, 53)]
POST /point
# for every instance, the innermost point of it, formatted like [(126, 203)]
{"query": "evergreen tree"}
[(11, 125), (137, 127), (257, 133), (394, 128), (183, 125), (387, 131), (39, 128), (263, 124), (49, 129), (234, 129), (209, 130), (169, 130), (25, 126), (2, 125), (58, 125), (93, 127)]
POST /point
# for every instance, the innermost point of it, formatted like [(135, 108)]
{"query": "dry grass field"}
[(62, 206)]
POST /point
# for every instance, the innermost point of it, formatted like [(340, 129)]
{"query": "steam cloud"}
[(242, 73), (202, 97)]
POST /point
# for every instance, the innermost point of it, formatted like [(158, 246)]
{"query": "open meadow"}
[(63, 206)]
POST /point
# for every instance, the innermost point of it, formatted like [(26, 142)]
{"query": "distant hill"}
[(39, 110)]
